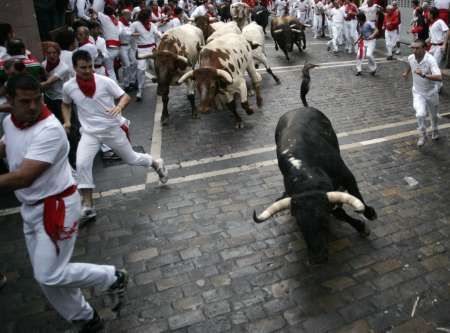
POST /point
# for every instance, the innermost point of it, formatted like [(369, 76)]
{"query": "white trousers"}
[(366, 52), (337, 31), (59, 279), (116, 139), (391, 37), (424, 105), (350, 34), (109, 62), (142, 65), (129, 65), (302, 16), (317, 25), (437, 51)]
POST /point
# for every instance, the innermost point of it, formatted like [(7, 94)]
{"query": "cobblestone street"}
[(198, 262)]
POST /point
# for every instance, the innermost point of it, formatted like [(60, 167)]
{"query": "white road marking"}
[(155, 149), (152, 178)]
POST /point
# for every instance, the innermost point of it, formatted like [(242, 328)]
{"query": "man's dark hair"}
[(21, 82), (65, 39), (178, 11), (80, 55), (415, 2), (15, 47), (94, 24), (5, 32), (435, 12), (109, 10), (361, 17), (144, 15)]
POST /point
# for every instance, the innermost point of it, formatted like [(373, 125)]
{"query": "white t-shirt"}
[(318, 8), (92, 111), (63, 73), (83, 7), (125, 33), (91, 48), (175, 22), (66, 57), (3, 53), (438, 30), (199, 11), (281, 7), (441, 4), (337, 15), (45, 141), (428, 65), (146, 37), (371, 12), (110, 30)]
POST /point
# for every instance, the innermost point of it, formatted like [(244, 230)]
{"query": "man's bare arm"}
[(66, 110), (24, 176)]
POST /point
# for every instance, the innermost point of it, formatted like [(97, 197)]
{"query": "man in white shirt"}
[(439, 34), (281, 7), (101, 121), (145, 34), (127, 50), (36, 148), (318, 10), (426, 74), (337, 14), (200, 10), (371, 10), (83, 8)]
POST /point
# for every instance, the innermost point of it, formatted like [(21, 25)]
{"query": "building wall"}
[(20, 14)]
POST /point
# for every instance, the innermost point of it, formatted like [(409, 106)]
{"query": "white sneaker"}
[(162, 171), (87, 214), (421, 141), (435, 135)]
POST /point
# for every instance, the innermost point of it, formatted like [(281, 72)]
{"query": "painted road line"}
[(152, 178), (155, 149)]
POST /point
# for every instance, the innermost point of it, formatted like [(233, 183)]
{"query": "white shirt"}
[(103, 53), (146, 37), (442, 4), (91, 48), (438, 30), (199, 11), (3, 53), (45, 141), (110, 30), (318, 8), (428, 65), (92, 112), (337, 15), (63, 73), (66, 57), (281, 7), (83, 7), (371, 12), (125, 33)]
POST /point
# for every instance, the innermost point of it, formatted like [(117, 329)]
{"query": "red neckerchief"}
[(87, 87), (24, 125), (87, 41), (155, 11), (51, 65), (210, 14), (147, 25), (124, 21), (113, 19)]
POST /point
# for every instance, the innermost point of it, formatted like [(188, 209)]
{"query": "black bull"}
[(315, 180), (260, 15), (287, 31)]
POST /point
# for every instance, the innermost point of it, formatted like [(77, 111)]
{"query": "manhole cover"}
[(108, 162)]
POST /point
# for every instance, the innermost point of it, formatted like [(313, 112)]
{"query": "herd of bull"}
[(212, 58)]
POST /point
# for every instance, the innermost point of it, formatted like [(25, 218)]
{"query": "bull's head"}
[(203, 23), (283, 36), (208, 82), (169, 66), (313, 212)]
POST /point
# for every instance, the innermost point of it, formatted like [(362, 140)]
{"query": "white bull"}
[(254, 34), (222, 65), (223, 29)]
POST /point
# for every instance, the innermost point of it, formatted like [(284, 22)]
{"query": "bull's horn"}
[(346, 198), (307, 25), (293, 25), (183, 59), (296, 30), (274, 208), (225, 75), (277, 31), (186, 76)]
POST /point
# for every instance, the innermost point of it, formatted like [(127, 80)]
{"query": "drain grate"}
[(107, 162)]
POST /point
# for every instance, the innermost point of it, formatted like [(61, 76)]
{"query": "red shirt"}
[(391, 21)]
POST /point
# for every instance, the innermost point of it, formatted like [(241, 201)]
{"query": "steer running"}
[(315, 177)]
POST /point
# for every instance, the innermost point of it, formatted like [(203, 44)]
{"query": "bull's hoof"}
[(366, 232), (370, 213), (249, 111), (239, 125), (259, 101), (277, 80), (304, 47)]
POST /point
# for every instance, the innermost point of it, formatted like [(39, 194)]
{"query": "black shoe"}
[(390, 58), (121, 283), (358, 74), (2, 280), (96, 324), (373, 73)]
